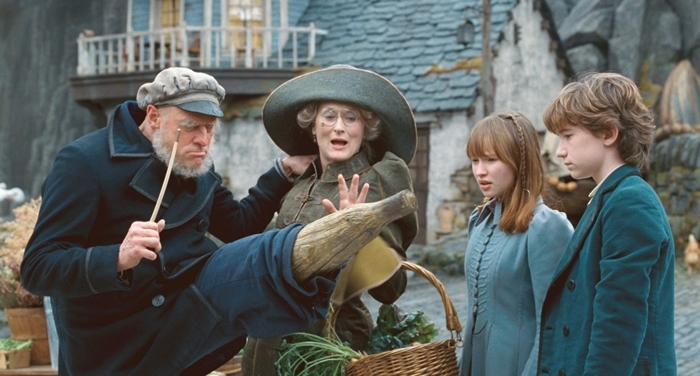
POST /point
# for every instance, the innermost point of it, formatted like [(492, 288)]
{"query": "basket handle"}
[(451, 318)]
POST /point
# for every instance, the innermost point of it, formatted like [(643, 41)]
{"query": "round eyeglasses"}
[(329, 118)]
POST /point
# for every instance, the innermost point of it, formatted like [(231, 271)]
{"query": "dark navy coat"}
[(100, 184), (609, 308)]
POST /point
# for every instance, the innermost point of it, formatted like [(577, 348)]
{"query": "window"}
[(246, 13), (170, 13)]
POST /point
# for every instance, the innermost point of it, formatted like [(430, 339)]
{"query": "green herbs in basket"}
[(304, 354), (11, 344), (311, 355), (395, 330)]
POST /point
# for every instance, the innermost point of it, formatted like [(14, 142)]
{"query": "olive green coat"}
[(303, 204)]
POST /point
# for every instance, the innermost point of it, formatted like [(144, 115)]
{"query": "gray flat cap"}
[(189, 90)]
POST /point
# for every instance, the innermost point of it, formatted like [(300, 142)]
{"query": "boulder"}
[(687, 11), (587, 57), (558, 10), (624, 46), (662, 41), (590, 21)]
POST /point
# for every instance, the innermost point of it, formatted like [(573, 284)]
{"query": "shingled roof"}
[(403, 39)]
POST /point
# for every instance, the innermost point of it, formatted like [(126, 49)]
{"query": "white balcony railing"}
[(190, 46)]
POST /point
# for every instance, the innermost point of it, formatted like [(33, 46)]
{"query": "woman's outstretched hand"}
[(348, 197)]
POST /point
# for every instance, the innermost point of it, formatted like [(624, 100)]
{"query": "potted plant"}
[(24, 311)]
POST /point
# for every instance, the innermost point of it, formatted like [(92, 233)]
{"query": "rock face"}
[(37, 56), (674, 172), (690, 24), (587, 57), (641, 39), (625, 42), (590, 21)]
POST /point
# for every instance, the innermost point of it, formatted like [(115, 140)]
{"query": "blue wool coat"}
[(507, 278), (609, 307), (98, 185)]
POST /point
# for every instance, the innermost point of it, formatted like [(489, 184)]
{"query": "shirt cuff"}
[(280, 170)]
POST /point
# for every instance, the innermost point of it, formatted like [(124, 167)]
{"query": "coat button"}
[(202, 226), (566, 331), (158, 300), (571, 285), (561, 372)]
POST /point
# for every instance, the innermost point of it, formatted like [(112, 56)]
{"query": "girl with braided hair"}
[(515, 242)]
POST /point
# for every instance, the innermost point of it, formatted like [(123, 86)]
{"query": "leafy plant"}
[(14, 236), (11, 344), (395, 330), (312, 355), (304, 354)]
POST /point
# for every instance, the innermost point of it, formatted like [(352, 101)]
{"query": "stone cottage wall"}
[(674, 172)]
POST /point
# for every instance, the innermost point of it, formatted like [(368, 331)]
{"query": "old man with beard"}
[(163, 151), (133, 296)]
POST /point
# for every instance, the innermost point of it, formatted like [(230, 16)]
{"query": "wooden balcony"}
[(202, 47), (246, 61)]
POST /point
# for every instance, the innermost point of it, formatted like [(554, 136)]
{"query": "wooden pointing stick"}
[(167, 177)]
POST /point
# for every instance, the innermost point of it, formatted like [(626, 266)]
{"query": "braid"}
[(521, 137)]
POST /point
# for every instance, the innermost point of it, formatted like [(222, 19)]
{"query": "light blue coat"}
[(507, 279)]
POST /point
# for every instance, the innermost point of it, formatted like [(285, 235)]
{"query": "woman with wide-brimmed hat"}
[(358, 123)]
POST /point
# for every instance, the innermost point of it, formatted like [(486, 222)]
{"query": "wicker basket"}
[(430, 359)]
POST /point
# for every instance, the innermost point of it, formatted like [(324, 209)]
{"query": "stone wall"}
[(38, 55), (641, 39), (244, 151), (674, 172)]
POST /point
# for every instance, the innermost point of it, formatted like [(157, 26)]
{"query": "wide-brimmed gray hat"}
[(340, 83), (182, 87)]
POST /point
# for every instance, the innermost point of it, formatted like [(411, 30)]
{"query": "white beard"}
[(163, 154)]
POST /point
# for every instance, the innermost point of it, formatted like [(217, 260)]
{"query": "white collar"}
[(594, 190)]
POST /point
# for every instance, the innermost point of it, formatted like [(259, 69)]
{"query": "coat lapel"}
[(190, 201), (182, 199), (126, 139), (586, 222)]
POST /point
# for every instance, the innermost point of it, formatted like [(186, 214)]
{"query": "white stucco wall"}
[(243, 152), (527, 77), (448, 141)]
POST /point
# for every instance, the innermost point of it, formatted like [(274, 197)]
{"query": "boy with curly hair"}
[(609, 307)]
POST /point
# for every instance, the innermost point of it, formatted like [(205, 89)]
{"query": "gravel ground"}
[(421, 295)]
